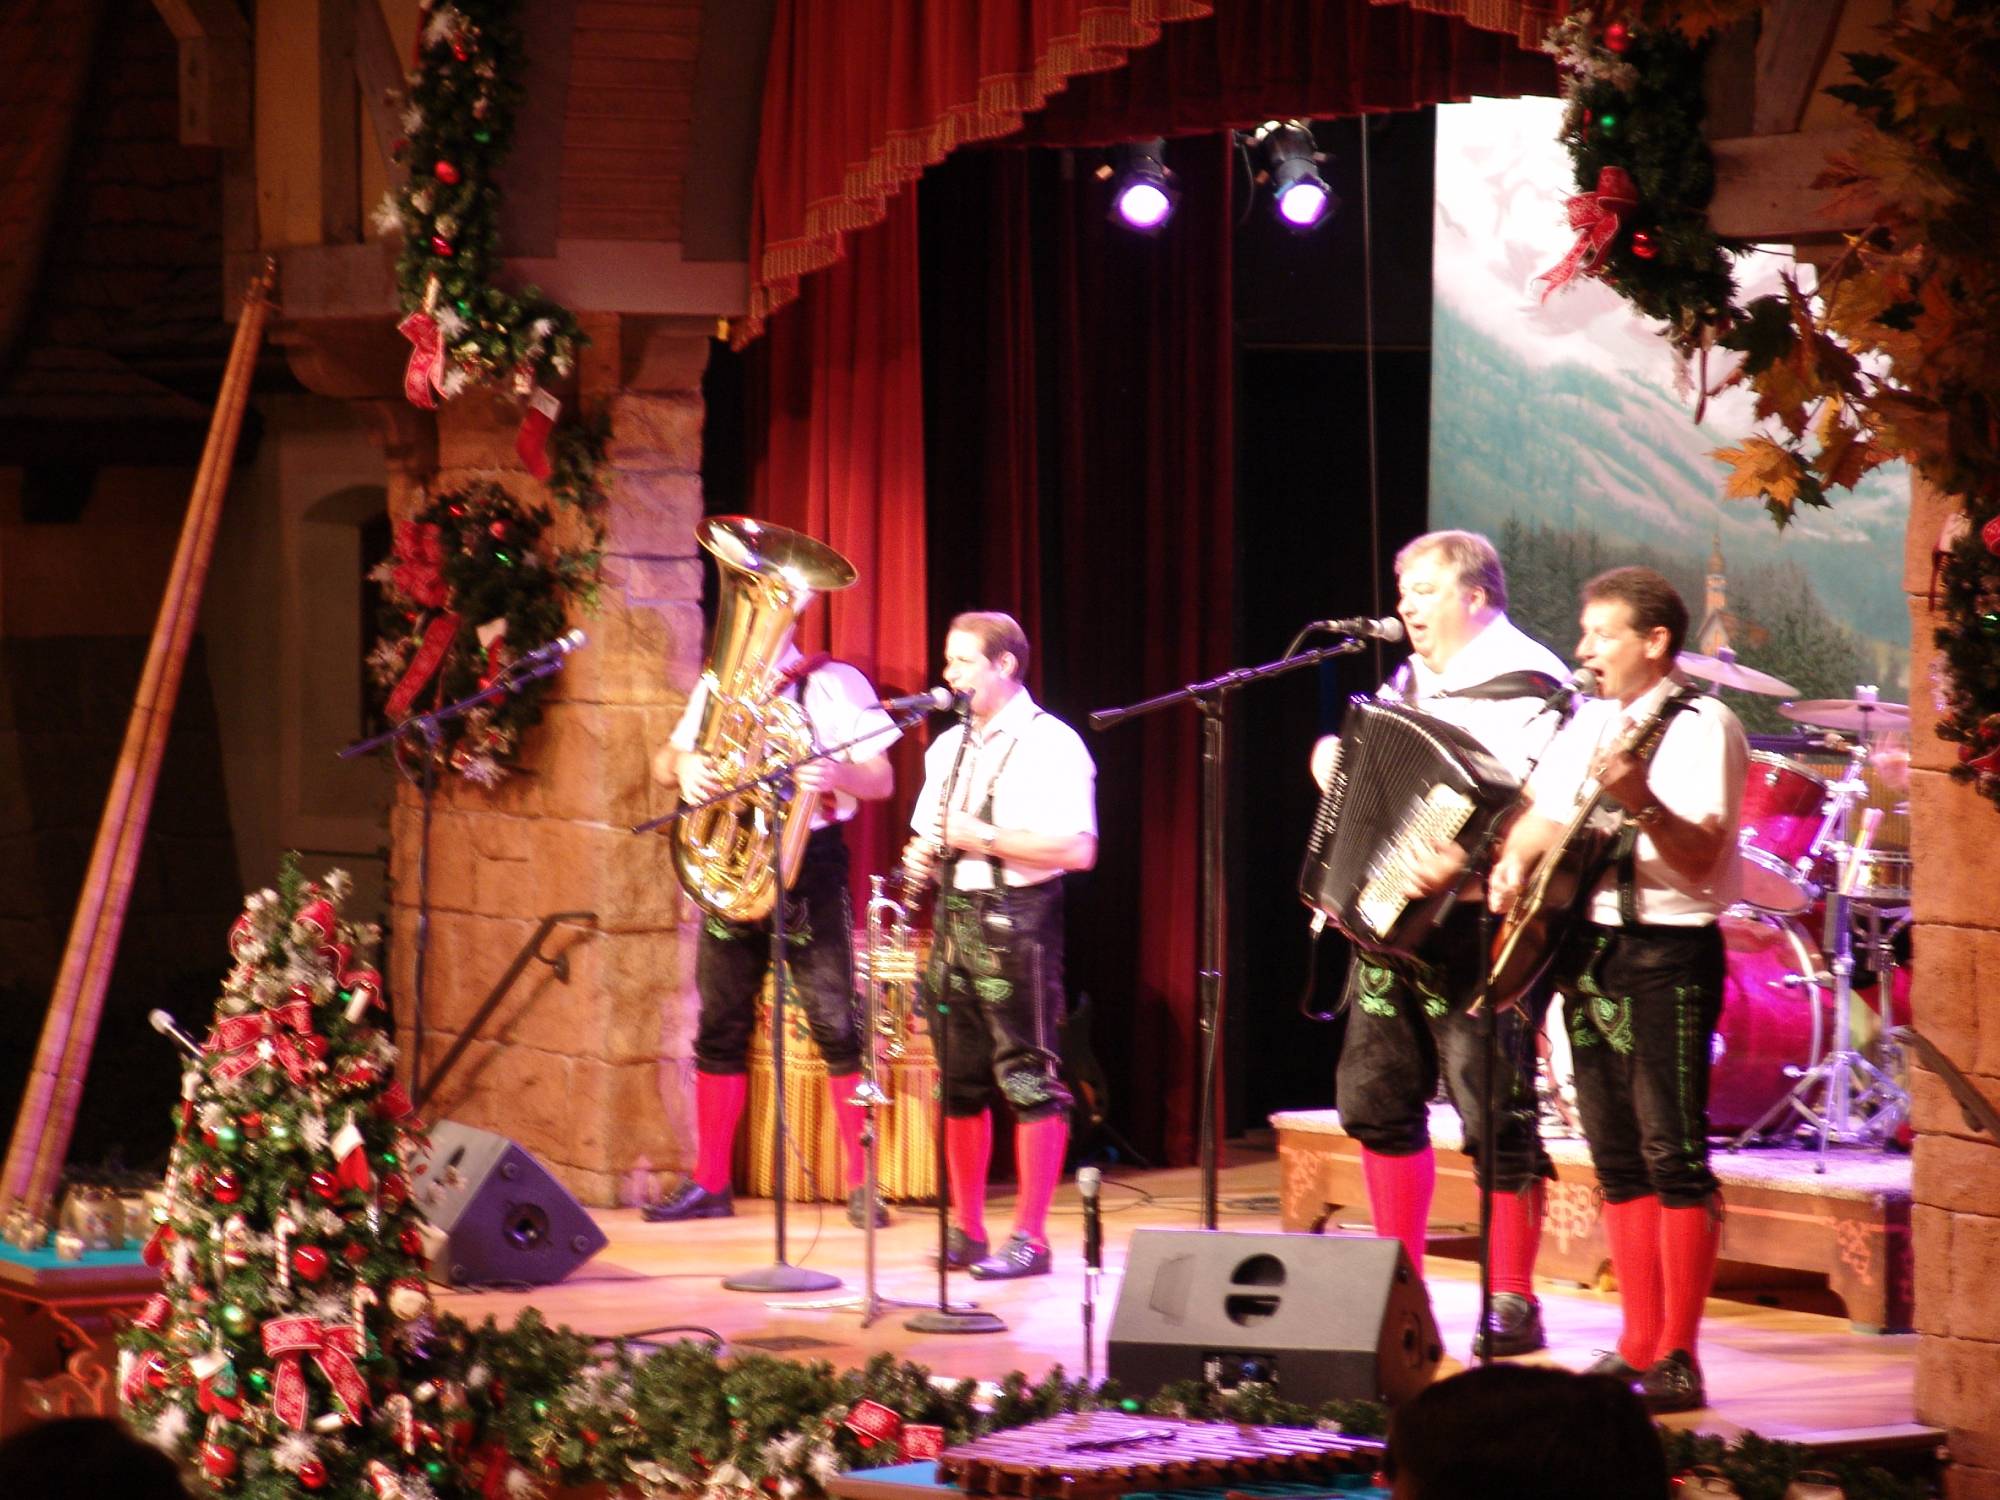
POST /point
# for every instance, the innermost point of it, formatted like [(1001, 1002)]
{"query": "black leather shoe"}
[(1673, 1383), (857, 1210), (1612, 1363), (1513, 1327), (961, 1251), (690, 1201), (1019, 1257)]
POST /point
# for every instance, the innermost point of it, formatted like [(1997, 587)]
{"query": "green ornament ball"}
[(1128, 1404), (484, 137), (435, 1468), (227, 1137), (259, 1381), (1989, 625), (236, 1317), (464, 306), (1608, 124), (541, 1407), (278, 1132)]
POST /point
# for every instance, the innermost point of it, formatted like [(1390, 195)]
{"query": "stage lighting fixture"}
[(1143, 194), (1301, 195)]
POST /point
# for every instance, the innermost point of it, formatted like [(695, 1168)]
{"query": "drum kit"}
[(1787, 1063)]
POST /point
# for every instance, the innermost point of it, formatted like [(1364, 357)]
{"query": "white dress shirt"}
[(1697, 773), (1513, 730), (839, 703), (1047, 785)]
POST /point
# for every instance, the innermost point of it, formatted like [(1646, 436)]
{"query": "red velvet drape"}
[(838, 433)]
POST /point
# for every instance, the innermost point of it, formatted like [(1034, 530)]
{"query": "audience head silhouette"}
[(1523, 1432), (86, 1458)]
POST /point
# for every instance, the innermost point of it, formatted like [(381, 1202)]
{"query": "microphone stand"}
[(781, 1275), (947, 1316), (1210, 698), (1093, 1265), (428, 727)]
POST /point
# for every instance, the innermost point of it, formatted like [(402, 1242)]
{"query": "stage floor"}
[(1794, 1375)]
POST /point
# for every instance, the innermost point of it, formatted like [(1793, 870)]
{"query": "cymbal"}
[(1849, 713), (1726, 671)]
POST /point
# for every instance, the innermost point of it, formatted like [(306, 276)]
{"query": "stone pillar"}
[(591, 1076), (1956, 1223)]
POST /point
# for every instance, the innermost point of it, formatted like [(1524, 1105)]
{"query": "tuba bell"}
[(727, 856)]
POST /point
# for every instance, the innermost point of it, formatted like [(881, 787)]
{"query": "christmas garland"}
[(474, 585), (1894, 354)]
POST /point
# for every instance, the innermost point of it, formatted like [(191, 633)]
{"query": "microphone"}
[(551, 654), (1563, 700), (931, 700), (1388, 628), (1088, 1180), (163, 1022)]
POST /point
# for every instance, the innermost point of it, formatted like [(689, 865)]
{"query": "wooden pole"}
[(47, 1116)]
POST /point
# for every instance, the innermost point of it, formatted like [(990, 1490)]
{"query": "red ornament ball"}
[(395, 1189), (441, 246), (315, 1047), (459, 50), (218, 1461), (497, 530), (312, 1474), (1643, 246), (228, 1187), (412, 1241), (325, 1186), (1990, 535), (355, 1251), (1617, 37), (310, 1261), (252, 1122), (445, 173)]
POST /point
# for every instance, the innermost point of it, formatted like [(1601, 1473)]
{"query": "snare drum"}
[(1783, 804), (1882, 880)]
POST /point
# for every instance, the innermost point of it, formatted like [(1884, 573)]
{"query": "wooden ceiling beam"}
[(214, 71)]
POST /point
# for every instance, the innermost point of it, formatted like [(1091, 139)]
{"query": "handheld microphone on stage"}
[(1582, 683), (931, 700), (163, 1022), (1388, 628), (1088, 1180)]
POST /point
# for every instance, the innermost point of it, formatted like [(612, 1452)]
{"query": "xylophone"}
[(1113, 1453)]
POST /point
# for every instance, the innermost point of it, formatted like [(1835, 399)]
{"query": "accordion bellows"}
[(1402, 779)]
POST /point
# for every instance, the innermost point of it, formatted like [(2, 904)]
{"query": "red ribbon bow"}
[(1596, 218), (238, 1039), (419, 570), (333, 1347), (423, 377)]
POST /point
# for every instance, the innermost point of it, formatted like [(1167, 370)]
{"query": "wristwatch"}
[(987, 840), (1650, 814)]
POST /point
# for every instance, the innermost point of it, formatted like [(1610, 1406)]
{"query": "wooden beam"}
[(1763, 186), (379, 72), (1792, 46), (339, 125), (214, 70)]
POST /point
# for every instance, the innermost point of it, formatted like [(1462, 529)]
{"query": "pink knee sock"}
[(1689, 1240), (1399, 1197), (968, 1151), (1517, 1235), (848, 1118), (718, 1105), (1039, 1146), (1634, 1232)]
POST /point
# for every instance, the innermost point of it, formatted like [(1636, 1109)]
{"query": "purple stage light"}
[(1144, 205), (1304, 204)]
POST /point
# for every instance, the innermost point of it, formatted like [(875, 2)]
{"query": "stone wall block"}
[(653, 431), (646, 579), (1975, 1272), (652, 510), (1930, 1237), (1962, 1176), (617, 1112), (476, 431), (1944, 966), (1955, 828), (1956, 1379), (664, 354), (625, 660), (1927, 751), (628, 878), (521, 1092), (1929, 508), (498, 836), (599, 762), (641, 975)]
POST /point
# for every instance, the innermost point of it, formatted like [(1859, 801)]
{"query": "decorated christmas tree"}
[(290, 1348)]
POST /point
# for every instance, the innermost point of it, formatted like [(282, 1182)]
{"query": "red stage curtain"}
[(1527, 21), (861, 95), (838, 436)]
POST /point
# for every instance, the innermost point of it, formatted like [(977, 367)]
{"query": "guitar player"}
[(1641, 969), (1407, 1024)]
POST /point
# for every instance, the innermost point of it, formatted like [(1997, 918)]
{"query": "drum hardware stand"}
[(1212, 699), (869, 1096), (781, 1275), (1859, 1102)]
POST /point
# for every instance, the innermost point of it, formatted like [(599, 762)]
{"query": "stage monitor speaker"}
[(497, 1217), (1319, 1317)]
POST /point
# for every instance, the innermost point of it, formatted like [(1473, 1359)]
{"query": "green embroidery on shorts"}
[(1609, 1015), (958, 981), (992, 990), (715, 927), (1374, 988)]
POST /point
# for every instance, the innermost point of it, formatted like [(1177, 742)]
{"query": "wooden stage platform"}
[(1785, 1373)]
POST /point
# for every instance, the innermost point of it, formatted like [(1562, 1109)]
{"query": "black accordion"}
[(1402, 780)]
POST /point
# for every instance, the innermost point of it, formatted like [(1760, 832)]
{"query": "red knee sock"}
[(968, 1151), (1039, 1147), (848, 1118), (1399, 1197), (1634, 1232), (718, 1105), (1517, 1235), (1689, 1239)]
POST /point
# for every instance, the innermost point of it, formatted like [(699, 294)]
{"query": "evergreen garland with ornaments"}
[(285, 1350)]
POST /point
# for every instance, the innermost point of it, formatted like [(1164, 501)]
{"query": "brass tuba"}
[(727, 855)]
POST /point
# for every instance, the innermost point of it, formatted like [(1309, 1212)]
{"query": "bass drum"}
[(1772, 1019), (1773, 1016)]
